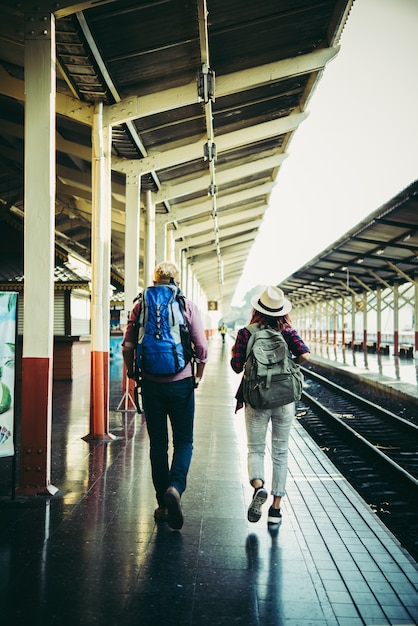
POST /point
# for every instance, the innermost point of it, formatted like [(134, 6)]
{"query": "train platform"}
[(396, 375), (93, 555)]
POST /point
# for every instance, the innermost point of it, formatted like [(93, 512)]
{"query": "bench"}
[(406, 351)]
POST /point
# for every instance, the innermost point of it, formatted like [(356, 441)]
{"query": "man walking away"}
[(168, 396)]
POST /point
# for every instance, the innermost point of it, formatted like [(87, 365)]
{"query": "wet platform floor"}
[(93, 554)]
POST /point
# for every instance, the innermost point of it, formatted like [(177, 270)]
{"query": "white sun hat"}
[(272, 302)]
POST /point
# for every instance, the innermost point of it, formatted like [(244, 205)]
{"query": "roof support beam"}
[(400, 272), (203, 229), (271, 72), (179, 213), (135, 107), (169, 158), (64, 7), (176, 191), (234, 232)]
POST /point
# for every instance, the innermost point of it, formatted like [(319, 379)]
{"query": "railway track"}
[(384, 434), (374, 448)]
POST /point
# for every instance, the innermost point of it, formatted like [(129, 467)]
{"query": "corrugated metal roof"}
[(379, 251), (267, 58)]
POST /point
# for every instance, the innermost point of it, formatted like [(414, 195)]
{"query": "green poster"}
[(8, 303)]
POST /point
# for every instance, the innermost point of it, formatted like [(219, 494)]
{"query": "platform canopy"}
[(379, 252), (204, 98)]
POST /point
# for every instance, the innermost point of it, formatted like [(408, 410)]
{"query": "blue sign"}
[(8, 310)]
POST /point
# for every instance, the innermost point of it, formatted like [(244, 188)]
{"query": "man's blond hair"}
[(165, 271)]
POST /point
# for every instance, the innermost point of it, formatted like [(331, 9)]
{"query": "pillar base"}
[(104, 437), (36, 490)]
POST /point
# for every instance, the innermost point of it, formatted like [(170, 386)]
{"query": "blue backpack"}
[(164, 346)]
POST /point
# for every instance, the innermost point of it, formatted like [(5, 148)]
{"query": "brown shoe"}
[(175, 514), (160, 514)]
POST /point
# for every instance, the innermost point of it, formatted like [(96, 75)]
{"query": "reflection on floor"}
[(93, 554)]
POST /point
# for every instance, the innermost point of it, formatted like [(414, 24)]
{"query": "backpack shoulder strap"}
[(142, 301), (186, 329), (181, 300), (252, 329)]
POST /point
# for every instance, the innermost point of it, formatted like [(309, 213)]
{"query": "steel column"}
[(149, 239), (378, 318), (39, 257), (100, 306), (396, 319), (132, 239)]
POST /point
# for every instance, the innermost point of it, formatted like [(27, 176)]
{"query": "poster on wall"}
[(8, 311)]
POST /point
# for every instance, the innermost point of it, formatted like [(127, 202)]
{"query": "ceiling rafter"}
[(141, 60)]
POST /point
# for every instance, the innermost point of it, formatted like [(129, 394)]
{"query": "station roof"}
[(175, 78), (69, 273), (379, 251)]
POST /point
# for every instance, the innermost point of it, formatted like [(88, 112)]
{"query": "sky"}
[(357, 149)]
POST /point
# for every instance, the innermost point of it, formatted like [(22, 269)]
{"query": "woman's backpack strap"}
[(252, 329)]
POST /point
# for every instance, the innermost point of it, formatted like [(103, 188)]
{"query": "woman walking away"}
[(270, 310)]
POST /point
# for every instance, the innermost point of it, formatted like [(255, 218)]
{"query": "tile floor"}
[(93, 555)]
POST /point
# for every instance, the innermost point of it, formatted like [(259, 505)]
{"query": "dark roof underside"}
[(267, 58)]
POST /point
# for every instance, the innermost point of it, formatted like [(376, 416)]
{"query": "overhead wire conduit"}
[(206, 94)]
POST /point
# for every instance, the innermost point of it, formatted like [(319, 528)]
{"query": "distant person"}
[(222, 330), (172, 397), (270, 309)]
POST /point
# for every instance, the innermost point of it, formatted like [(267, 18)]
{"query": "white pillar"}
[(189, 282), (353, 319), (39, 257), (161, 240), (171, 245), (365, 320), (149, 238), (107, 247), (183, 271), (100, 297), (132, 239)]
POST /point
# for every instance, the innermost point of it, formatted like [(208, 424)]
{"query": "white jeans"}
[(281, 422)]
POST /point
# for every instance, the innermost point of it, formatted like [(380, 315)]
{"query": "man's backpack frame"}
[(271, 378)]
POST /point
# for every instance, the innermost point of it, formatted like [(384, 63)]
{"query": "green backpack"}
[(271, 377)]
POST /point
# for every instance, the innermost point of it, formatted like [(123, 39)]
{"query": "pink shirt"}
[(197, 334)]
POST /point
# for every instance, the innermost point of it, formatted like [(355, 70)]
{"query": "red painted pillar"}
[(396, 343), (36, 427)]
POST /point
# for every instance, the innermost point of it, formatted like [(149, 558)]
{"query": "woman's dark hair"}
[(278, 323)]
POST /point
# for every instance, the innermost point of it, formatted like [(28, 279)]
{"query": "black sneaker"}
[(254, 510), (173, 505), (274, 516)]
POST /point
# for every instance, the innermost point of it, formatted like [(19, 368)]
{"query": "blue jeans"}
[(174, 400), (256, 423)]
